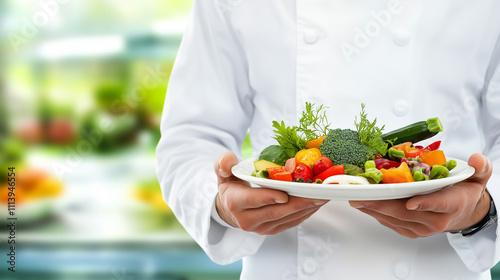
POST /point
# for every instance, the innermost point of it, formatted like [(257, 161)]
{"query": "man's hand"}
[(452, 208), (260, 210)]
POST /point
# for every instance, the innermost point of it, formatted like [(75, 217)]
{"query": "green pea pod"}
[(450, 164), (374, 174), (439, 171), (395, 154)]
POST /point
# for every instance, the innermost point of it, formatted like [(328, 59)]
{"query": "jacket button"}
[(401, 269), (401, 37), (400, 108), (310, 266), (310, 37)]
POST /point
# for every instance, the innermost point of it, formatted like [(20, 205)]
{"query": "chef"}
[(244, 63)]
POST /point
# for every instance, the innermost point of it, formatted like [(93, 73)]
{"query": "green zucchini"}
[(414, 132), (275, 154)]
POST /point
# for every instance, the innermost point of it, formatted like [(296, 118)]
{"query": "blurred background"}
[(82, 86)]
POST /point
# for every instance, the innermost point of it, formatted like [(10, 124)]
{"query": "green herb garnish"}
[(370, 134), (314, 123), (288, 138)]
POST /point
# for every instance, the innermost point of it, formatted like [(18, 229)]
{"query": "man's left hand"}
[(455, 207)]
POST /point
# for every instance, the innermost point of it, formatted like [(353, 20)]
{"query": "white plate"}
[(244, 169)]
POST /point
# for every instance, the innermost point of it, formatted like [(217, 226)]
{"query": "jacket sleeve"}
[(207, 111), (481, 251)]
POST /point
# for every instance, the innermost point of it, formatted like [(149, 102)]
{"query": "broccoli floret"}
[(342, 146)]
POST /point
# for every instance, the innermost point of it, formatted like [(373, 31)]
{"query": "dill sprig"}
[(369, 133), (313, 123)]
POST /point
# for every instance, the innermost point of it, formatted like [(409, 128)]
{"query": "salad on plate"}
[(312, 152)]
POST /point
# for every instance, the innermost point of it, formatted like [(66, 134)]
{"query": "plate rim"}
[(298, 190)]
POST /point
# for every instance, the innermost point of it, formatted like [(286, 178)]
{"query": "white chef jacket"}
[(244, 63)]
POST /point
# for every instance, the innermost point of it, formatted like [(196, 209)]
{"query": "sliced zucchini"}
[(263, 164)]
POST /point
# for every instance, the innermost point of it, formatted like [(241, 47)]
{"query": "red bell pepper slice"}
[(332, 171), (275, 170), (433, 146)]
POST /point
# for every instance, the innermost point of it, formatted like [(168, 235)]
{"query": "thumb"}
[(223, 166), (483, 168)]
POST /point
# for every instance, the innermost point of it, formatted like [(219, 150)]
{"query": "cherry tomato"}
[(302, 171), (322, 164)]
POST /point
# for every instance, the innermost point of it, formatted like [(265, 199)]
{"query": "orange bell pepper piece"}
[(401, 174), (315, 143), (431, 158)]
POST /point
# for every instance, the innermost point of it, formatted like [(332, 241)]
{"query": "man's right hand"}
[(260, 210)]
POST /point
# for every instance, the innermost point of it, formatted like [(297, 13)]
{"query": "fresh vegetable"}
[(290, 165), (262, 174), (395, 154), (342, 146), (275, 170), (371, 172), (439, 171), (370, 135), (274, 153), (283, 176), (414, 132), (419, 174), (436, 157), (401, 174), (322, 164), (350, 169), (263, 164), (288, 138), (433, 146), (302, 171), (451, 164), (308, 156), (315, 143), (332, 171), (312, 125), (386, 163)]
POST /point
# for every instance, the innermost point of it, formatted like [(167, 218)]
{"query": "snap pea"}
[(439, 171)]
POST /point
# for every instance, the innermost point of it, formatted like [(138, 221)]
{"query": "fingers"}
[(240, 197), (223, 166), (393, 208), (453, 198), (483, 168), (287, 222), (261, 210)]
